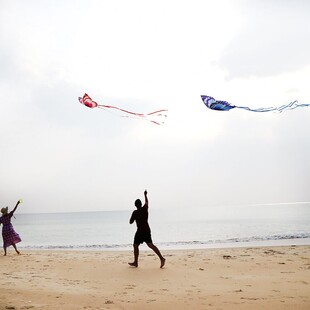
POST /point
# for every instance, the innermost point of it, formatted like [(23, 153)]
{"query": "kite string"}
[(112, 107), (290, 106), (129, 112), (135, 115)]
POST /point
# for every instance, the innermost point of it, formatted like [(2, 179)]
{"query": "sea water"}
[(171, 228)]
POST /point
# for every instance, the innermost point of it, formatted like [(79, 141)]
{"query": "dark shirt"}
[(141, 217)]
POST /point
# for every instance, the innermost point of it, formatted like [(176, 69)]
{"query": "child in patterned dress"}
[(9, 235)]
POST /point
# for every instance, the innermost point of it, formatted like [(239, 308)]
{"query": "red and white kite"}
[(160, 114)]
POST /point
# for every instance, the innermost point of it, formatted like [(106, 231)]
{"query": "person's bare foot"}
[(133, 264), (18, 252), (163, 261)]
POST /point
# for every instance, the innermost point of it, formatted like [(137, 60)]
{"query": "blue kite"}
[(213, 104)]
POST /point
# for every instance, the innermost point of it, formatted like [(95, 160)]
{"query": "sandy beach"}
[(235, 278)]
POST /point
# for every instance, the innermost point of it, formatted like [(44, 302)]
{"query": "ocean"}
[(171, 228)]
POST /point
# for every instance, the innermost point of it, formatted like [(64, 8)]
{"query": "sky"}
[(59, 156)]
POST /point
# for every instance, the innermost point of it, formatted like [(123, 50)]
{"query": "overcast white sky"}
[(142, 56)]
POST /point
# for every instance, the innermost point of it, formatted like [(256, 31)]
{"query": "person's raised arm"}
[(146, 201), (18, 202)]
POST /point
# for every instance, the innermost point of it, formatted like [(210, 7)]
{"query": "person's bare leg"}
[(156, 250), (14, 246), (136, 255), (4, 251)]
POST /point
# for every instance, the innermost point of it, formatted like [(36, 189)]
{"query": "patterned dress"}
[(9, 235)]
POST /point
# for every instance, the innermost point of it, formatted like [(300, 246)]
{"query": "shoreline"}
[(187, 246), (264, 277)]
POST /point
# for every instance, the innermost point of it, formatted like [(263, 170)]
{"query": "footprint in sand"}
[(227, 257), (130, 287)]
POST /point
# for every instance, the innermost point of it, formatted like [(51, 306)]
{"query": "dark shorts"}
[(141, 237)]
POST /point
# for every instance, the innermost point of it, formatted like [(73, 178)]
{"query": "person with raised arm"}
[(9, 235), (143, 233)]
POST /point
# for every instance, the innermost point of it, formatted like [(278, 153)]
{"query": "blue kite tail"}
[(291, 106)]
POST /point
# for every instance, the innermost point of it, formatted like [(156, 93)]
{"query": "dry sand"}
[(237, 278)]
